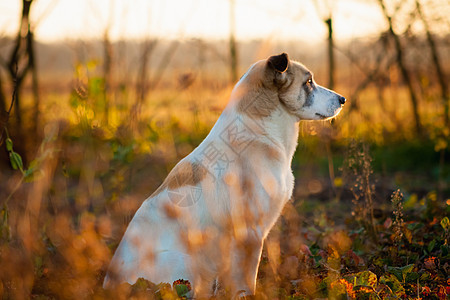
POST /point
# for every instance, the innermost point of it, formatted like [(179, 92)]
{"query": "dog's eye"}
[(309, 83)]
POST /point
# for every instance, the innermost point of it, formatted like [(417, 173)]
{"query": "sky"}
[(134, 19)]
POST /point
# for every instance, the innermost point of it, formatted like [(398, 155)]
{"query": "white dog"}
[(209, 218)]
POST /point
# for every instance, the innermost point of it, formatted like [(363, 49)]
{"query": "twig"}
[(16, 187)]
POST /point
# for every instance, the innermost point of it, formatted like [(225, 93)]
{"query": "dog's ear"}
[(279, 63), (277, 66)]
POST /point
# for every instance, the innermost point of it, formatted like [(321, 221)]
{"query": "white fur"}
[(219, 224)]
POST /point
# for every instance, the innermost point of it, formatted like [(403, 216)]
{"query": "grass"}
[(62, 218)]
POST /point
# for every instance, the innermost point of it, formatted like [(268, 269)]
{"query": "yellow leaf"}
[(408, 234), (338, 181)]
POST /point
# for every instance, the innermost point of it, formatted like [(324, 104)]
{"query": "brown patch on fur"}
[(256, 99), (193, 239), (247, 185), (184, 173), (270, 185), (258, 104), (266, 150), (230, 179), (172, 211)]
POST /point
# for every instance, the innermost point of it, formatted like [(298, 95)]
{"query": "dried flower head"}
[(397, 225)]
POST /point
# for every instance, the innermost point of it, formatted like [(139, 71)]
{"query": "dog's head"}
[(295, 87)]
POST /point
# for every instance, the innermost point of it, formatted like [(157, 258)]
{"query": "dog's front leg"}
[(244, 264)]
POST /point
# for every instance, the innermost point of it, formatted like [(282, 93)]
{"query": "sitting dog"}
[(208, 220)]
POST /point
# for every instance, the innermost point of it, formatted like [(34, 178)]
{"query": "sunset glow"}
[(66, 19)]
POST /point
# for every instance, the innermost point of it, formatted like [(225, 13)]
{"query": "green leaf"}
[(74, 102), (396, 272), (392, 282), (30, 172), (9, 145), (364, 278), (431, 246), (444, 250), (4, 213), (181, 290), (415, 226), (142, 285), (425, 276), (16, 160), (412, 277), (407, 269), (401, 272)]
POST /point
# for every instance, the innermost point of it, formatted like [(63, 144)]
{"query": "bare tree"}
[(164, 63), (18, 56), (331, 68), (374, 73), (107, 72), (142, 85), (20, 62), (145, 80), (2, 103), (5, 114), (437, 63), (108, 55), (402, 66), (324, 9), (233, 47), (34, 82)]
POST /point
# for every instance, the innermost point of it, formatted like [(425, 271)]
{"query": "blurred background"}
[(100, 99)]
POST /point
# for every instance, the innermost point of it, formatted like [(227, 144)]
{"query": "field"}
[(368, 218)]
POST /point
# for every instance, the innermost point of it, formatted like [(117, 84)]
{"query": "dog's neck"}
[(283, 128), (279, 129)]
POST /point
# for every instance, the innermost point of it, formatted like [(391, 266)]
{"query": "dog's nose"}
[(342, 100)]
